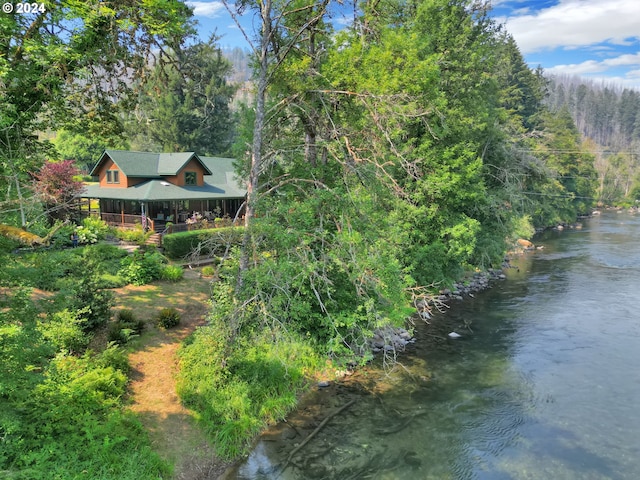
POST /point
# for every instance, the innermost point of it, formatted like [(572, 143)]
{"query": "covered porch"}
[(156, 204), (156, 215)]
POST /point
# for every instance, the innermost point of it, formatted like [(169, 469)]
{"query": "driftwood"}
[(315, 432)]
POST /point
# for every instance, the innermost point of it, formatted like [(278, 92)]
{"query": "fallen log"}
[(28, 238), (315, 432)]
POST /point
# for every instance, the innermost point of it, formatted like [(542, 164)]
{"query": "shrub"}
[(45, 269), (116, 335), (208, 271), (96, 226), (62, 238), (172, 273), (133, 235), (127, 319), (86, 236), (125, 327), (86, 292), (103, 253), (125, 316), (141, 267), (64, 330), (168, 318), (212, 241)]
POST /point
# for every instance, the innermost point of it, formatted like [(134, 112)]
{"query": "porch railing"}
[(127, 220)]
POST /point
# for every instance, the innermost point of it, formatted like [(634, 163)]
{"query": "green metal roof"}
[(147, 164), (221, 184)]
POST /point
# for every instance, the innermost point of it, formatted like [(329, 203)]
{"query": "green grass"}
[(258, 385)]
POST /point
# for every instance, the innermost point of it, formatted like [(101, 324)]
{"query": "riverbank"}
[(300, 438), (534, 392)]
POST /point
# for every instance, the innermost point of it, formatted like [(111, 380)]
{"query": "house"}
[(155, 188)]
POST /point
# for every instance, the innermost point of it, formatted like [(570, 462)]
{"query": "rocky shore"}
[(389, 340)]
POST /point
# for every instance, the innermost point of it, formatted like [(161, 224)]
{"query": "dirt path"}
[(153, 386)]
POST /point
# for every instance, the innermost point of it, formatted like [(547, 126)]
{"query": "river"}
[(543, 384)]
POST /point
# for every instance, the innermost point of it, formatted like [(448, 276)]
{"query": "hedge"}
[(214, 241)]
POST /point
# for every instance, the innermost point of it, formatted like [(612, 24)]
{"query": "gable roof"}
[(221, 183), (148, 164)]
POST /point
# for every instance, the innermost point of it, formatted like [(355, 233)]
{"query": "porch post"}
[(121, 213), (144, 216)]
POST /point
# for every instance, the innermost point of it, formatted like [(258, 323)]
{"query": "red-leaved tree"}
[(56, 188)]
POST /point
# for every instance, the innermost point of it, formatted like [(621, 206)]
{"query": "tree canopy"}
[(185, 104), (73, 66)]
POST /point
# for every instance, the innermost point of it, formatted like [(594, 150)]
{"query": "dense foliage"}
[(62, 412), (213, 242), (398, 153), (73, 65), (384, 161)]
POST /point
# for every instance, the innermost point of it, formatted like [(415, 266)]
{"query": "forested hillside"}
[(608, 118)]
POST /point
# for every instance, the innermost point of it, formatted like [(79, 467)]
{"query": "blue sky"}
[(596, 39)]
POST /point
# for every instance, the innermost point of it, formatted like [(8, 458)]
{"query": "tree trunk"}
[(257, 147)]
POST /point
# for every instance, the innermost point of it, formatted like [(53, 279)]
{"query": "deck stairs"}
[(155, 239)]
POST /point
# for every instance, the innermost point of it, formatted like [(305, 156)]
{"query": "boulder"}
[(525, 243)]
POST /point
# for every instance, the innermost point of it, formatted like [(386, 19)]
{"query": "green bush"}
[(127, 319), (172, 273), (96, 226), (142, 267), (208, 271), (212, 241), (168, 318), (125, 327), (133, 235), (64, 330), (72, 426), (62, 237), (125, 316), (86, 292), (106, 257), (44, 269)]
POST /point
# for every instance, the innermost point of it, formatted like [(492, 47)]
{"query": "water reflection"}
[(542, 385)]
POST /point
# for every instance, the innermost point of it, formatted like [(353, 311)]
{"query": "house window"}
[(113, 176), (190, 178)]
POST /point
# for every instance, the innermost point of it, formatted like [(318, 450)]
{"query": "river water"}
[(544, 383)]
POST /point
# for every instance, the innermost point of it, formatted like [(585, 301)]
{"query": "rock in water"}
[(454, 335)]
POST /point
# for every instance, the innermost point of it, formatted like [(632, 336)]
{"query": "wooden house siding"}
[(102, 175), (131, 181), (192, 166)]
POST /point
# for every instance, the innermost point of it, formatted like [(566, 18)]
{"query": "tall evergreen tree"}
[(185, 105)]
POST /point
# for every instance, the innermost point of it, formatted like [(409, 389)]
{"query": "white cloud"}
[(590, 67), (206, 9), (576, 23), (593, 66)]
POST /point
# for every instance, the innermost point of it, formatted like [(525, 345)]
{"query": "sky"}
[(594, 39)]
